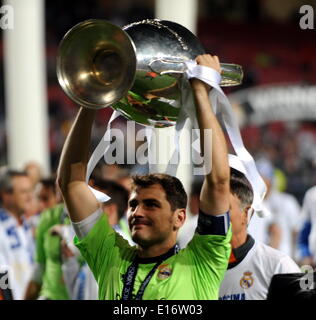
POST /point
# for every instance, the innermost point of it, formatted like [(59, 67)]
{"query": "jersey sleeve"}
[(102, 246), (71, 268), (287, 265), (3, 260), (210, 253), (45, 222), (47, 219)]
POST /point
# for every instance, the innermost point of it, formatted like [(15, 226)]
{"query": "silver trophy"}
[(136, 70)]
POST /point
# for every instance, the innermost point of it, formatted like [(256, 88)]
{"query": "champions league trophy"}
[(136, 70), (142, 72)]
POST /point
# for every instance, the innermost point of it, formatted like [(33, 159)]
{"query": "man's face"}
[(33, 170), (150, 217), (47, 198), (21, 197), (238, 216)]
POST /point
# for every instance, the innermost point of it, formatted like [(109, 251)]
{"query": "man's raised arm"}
[(80, 201), (214, 198)]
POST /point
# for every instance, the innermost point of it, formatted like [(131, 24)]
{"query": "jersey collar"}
[(165, 256), (238, 254)]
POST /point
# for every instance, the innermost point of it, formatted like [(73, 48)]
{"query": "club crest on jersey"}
[(164, 271), (247, 280)]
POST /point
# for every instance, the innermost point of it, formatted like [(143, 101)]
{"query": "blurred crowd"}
[(38, 259)]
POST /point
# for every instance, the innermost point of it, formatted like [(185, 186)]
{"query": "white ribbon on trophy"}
[(222, 107), (97, 154)]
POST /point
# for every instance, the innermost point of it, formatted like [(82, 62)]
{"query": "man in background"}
[(279, 230), (252, 264), (47, 281), (46, 197), (16, 241), (47, 194), (59, 270)]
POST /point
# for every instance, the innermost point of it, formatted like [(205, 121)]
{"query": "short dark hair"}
[(49, 183), (118, 194), (6, 179), (240, 186), (172, 186)]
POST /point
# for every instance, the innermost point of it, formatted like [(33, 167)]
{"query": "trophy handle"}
[(164, 66), (232, 74)]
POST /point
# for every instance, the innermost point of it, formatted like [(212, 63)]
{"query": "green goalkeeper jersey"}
[(48, 253), (195, 273)]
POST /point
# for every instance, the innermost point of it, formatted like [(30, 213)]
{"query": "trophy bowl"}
[(137, 70)]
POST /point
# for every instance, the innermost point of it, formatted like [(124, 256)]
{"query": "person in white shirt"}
[(279, 230), (286, 211), (252, 264), (16, 241), (307, 230)]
